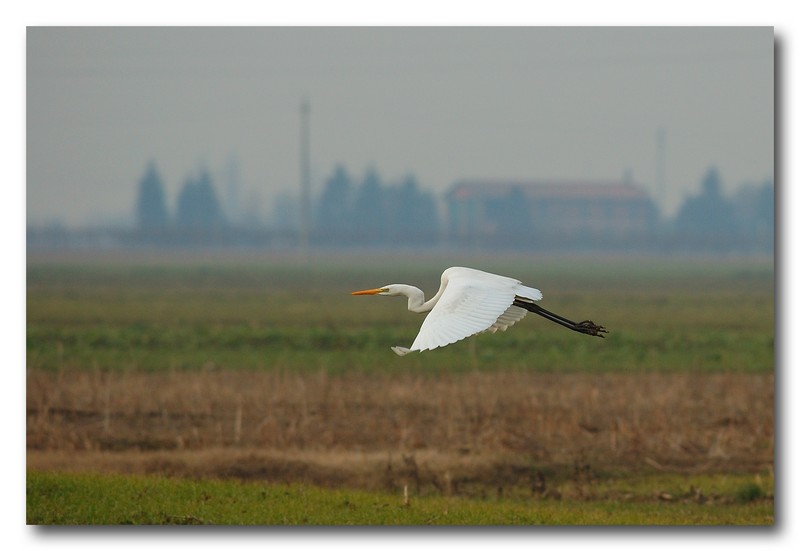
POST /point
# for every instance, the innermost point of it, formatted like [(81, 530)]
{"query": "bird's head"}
[(393, 290), (386, 290)]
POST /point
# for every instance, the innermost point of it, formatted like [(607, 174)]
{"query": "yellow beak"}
[(368, 292)]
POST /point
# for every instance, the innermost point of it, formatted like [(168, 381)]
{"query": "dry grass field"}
[(447, 434), (188, 368)]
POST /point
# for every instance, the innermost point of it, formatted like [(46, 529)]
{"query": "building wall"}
[(537, 214)]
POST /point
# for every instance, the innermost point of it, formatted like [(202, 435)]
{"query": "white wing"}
[(472, 302)]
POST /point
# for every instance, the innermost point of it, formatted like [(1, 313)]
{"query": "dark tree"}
[(334, 215), (374, 213), (411, 214), (427, 217), (754, 206), (708, 219), (764, 207), (369, 220), (198, 206), (151, 208)]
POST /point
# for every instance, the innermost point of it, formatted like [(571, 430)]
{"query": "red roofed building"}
[(554, 212)]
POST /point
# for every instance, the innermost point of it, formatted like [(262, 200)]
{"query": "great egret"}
[(469, 302)]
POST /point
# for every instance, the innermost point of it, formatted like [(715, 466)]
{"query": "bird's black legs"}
[(586, 327)]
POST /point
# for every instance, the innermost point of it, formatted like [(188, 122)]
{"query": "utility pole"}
[(305, 179), (661, 145)]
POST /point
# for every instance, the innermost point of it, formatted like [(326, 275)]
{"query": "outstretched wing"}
[(472, 302)]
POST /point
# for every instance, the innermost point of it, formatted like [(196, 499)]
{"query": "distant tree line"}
[(197, 211), (369, 211), (711, 221), (348, 211)]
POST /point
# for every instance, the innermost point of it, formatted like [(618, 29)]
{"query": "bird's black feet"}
[(591, 328)]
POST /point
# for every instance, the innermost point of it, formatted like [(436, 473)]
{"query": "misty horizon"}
[(441, 104)]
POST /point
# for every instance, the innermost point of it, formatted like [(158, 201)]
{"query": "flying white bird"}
[(469, 302)]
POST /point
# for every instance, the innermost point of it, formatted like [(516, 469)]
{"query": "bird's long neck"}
[(416, 298)]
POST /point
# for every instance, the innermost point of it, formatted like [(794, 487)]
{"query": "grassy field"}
[(116, 499), (267, 371), (194, 313)]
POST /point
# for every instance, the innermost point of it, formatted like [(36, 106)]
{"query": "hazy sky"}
[(441, 103)]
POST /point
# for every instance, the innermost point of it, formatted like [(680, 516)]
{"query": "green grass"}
[(125, 314), (94, 499)]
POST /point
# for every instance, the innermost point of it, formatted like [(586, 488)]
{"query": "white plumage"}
[(468, 302), (472, 302)]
